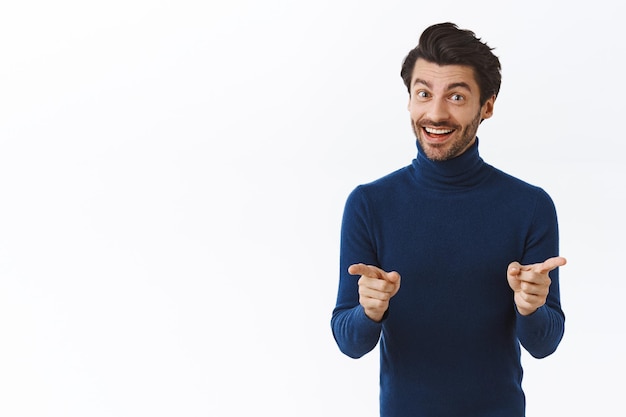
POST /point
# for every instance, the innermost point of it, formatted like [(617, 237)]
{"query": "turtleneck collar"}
[(461, 172)]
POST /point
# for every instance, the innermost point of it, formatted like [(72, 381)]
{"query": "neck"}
[(464, 170)]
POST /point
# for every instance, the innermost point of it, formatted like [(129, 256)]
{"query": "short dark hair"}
[(446, 44)]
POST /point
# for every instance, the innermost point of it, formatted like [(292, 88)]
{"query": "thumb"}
[(393, 277), (514, 268)]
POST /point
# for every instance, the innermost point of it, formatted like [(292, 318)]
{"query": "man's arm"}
[(540, 323), (355, 332)]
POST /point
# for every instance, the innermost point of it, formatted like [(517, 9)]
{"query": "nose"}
[(438, 110)]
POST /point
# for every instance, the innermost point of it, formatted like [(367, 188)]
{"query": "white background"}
[(172, 178)]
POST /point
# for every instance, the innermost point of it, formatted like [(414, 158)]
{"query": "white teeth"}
[(438, 131)]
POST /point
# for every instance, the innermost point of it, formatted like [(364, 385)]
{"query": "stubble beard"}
[(455, 148)]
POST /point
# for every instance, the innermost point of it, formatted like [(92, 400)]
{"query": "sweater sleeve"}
[(541, 332), (355, 333)]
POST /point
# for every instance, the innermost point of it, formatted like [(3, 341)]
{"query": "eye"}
[(422, 94), (457, 97)]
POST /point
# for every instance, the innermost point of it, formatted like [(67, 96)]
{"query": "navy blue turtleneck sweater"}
[(450, 340)]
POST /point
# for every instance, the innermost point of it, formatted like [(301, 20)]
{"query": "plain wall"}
[(173, 174)]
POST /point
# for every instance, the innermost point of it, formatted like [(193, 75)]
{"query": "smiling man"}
[(449, 263), (445, 108)]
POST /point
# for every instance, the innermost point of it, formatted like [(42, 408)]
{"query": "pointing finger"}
[(373, 272), (551, 264), (367, 270)]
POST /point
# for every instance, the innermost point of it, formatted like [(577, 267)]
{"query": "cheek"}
[(414, 112), (468, 116)]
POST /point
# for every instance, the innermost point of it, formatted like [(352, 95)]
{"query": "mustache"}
[(427, 122)]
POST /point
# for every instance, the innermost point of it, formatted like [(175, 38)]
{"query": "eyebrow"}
[(452, 86)]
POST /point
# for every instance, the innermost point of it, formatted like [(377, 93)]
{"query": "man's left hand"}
[(531, 283)]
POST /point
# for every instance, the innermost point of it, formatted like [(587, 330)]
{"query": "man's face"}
[(445, 108)]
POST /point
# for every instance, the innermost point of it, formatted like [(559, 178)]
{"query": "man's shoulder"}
[(383, 188), (397, 178), (513, 181), (509, 183)]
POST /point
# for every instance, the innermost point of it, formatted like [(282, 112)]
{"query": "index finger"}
[(367, 270), (552, 263)]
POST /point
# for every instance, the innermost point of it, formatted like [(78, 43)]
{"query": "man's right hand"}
[(376, 287)]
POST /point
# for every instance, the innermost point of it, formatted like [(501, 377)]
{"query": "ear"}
[(487, 110), (408, 104)]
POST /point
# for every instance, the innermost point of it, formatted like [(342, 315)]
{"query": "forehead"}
[(441, 76)]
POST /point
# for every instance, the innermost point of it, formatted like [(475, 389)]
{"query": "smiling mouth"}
[(437, 136), (437, 131)]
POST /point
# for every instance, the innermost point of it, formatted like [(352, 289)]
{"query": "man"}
[(449, 263)]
